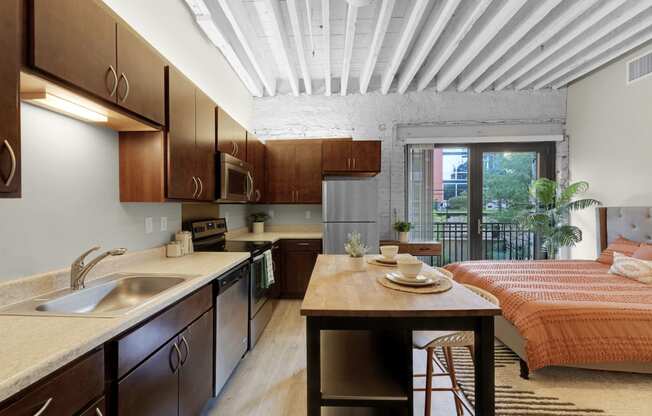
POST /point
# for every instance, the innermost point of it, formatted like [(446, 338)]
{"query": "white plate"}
[(420, 280), (381, 259)]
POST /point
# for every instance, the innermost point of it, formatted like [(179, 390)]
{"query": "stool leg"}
[(428, 405), (448, 354)]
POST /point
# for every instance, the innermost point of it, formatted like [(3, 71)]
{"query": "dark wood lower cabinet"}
[(96, 409), (196, 372), (299, 258)]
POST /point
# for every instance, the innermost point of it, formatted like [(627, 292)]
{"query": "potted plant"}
[(551, 205), (258, 222), (403, 228), (356, 251)]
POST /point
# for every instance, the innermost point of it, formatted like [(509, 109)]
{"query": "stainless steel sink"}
[(110, 296)]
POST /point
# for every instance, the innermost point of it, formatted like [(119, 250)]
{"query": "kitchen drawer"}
[(96, 409), (66, 393), (138, 344), (417, 249), (302, 245)]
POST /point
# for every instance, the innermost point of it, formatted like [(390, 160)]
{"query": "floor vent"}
[(639, 68)]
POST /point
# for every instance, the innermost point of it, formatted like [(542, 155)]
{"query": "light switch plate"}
[(149, 225), (164, 223)]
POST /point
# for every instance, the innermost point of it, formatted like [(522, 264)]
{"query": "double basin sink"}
[(110, 296)]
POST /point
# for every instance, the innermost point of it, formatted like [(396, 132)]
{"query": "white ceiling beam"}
[(239, 20), (271, 10), (635, 42), (559, 20), (404, 41), (433, 28), (217, 38), (468, 51), (326, 35), (594, 51), (451, 39), (349, 37), (384, 16), (298, 42), (580, 26), (601, 30), (490, 55)]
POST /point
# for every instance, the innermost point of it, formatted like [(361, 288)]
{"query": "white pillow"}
[(632, 268)]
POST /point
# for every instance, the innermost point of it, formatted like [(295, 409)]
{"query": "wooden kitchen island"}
[(359, 348)]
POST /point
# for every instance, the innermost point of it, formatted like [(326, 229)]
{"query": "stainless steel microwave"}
[(234, 180)]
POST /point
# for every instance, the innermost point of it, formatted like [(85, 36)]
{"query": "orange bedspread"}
[(569, 312)]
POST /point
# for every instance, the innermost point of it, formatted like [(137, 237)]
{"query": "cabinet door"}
[(96, 409), (308, 171), (280, 172), (205, 142), (365, 156), (76, 42), (256, 158), (181, 175), (10, 174), (152, 389), (196, 374), (141, 71), (231, 136), (298, 267), (336, 155)]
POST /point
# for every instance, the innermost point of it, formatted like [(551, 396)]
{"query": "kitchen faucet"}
[(79, 270)]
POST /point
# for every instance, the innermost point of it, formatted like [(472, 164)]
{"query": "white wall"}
[(70, 198), (610, 137), (170, 28), (376, 116)]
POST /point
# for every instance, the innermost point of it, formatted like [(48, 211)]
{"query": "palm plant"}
[(552, 204)]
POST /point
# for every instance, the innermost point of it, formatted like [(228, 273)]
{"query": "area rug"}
[(558, 391)]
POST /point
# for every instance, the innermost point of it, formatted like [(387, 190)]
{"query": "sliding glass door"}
[(468, 197)]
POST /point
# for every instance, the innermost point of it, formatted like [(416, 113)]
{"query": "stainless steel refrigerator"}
[(349, 204)]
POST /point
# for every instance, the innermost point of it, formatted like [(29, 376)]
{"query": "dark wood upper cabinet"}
[(280, 171), (205, 145), (256, 158), (181, 156), (231, 136), (196, 371), (336, 155), (360, 157), (308, 171), (10, 155), (76, 42), (140, 76)]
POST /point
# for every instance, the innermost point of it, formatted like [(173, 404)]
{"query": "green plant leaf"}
[(544, 191), (579, 204), (572, 190)]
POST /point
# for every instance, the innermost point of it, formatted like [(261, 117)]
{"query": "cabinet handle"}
[(353, 163), (175, 348), (235, 148), (348, 163), (12, 172), (250, 186), (98, 412), (194, 193), (183, 340), (303, 244), (124, 98), (258, 195), (201, 187), (115, 81), (44, 407)]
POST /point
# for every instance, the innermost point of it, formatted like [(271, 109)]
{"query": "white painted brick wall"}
[(376, 116)]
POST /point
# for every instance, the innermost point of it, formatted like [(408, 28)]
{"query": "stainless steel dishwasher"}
[(231, 323)]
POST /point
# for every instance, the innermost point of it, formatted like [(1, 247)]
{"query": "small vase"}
[(357, 264), (258, 227), (403, 236)]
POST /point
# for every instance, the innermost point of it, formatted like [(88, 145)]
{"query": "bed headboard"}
[(634, 223)]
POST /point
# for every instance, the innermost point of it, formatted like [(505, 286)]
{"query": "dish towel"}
[(269, 268)]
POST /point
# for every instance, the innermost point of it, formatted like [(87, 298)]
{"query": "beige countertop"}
[(274, 236), (33, 347), (334, 290)]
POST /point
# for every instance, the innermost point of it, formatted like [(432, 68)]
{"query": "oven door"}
[(236, 181), (257, 286)]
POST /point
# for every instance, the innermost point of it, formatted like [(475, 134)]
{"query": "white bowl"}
[(389, 252), (410, 267)]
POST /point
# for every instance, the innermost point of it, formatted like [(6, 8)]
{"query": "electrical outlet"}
[(164, 223), (149, 225), (271, 213), (308, 215)]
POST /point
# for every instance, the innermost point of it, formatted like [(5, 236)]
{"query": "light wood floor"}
[(271, 379)]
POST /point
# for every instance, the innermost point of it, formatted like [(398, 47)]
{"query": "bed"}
[(573, 312)]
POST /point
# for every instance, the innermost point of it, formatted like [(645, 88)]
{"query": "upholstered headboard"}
[(633, 223)]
